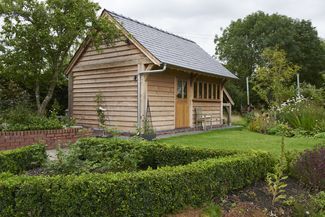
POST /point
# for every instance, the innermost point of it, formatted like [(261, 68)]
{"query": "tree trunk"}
[(41, 109), (37, 95)]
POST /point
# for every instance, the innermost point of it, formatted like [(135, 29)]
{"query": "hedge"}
[(145, 193), (153, 154), (21, 159)]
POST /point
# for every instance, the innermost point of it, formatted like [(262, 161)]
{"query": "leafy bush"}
[(318, 203), (96, 155), (21, 118), (145, 193), (315, 206), (261, 123), (11, 94), (311, 92), (310, 167), (21, 159), (212, 210)]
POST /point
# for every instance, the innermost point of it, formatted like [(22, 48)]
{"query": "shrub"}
[(311, 92), (310, 167), (21, 159), (320, 135), (11, 94), (261, 123), (22, 118), (281, 130), (145, 193), (96, 155)]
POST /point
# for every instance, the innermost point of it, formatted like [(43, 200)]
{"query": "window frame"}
[(183, 92), (206, 91)]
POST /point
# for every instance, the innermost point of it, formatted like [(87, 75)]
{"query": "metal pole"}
[(298, 85), (247, 90)]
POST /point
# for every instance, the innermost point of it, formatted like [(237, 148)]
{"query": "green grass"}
[(242, 139)]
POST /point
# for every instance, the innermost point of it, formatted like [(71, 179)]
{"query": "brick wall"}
[(16, 139)]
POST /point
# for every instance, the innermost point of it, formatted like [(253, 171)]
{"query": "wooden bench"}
[(202, 119)]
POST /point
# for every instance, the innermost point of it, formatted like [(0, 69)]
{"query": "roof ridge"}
[(161, 30)]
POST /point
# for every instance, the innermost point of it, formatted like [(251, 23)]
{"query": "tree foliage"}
[(39, 37), (241, 45), (272, 79)]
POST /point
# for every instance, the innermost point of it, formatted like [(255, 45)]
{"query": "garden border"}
[(145, 193)]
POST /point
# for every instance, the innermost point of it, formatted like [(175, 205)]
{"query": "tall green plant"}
[(272, 79), (276, 180)]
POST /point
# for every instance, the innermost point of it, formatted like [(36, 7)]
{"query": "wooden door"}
[(182, 113)]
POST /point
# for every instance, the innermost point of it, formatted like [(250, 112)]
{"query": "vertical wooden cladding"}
[(111, 72), (160, 90)]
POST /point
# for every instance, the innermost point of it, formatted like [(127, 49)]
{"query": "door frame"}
[(188, 101)]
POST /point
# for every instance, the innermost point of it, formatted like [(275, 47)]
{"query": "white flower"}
[(101, 109)]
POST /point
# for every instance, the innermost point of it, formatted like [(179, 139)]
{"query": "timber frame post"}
[(139, 94), (70, 95)]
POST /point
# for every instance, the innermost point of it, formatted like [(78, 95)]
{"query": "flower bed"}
[(145, 193)]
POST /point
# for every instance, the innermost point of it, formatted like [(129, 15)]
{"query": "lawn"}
[(242, 139)]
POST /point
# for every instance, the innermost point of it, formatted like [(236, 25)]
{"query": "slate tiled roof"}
[(172, 49)]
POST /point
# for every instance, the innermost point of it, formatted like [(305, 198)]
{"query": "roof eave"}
[(200, 72), (129, 36), (85, 43)]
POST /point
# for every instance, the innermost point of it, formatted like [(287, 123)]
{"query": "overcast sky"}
[(200, 20)]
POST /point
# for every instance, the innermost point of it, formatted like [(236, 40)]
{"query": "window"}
[(184, 89), (205, 90), (181, 89), (218, 92), (200, 90)]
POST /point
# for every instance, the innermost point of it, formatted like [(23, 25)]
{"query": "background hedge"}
[(144, 193), (21, 159)]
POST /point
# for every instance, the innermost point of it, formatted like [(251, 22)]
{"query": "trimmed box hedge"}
[(21, 159), (153, 154), (145, 193)]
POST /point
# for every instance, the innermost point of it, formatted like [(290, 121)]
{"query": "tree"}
[(39, 37), (241, 44), (272, 80)]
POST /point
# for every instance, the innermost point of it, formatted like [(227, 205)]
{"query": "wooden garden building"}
[(148, 74)]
